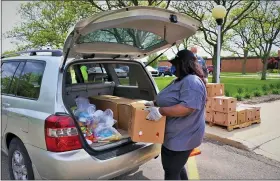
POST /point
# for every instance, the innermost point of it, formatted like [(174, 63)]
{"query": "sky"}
[(10, 18)]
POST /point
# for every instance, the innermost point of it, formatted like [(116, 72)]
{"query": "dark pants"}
[(173, 163)]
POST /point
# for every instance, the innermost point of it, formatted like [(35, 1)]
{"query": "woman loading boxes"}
[(183, 102)]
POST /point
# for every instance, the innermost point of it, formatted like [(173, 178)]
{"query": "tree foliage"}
[(155, 63), (239, 42), (266, 31), (111, 5), (201, 11), (47, 22)]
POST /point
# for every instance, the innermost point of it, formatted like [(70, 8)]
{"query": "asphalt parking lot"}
[(216, 162)]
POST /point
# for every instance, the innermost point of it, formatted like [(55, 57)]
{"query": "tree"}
[(110, 5), (273, 54), (240, 38), (9, 52), (201, 11), (266, 31), (47, 22), (155, 63)]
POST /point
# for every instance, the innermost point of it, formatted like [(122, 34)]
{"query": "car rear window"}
[(122, 74), (133, 37)]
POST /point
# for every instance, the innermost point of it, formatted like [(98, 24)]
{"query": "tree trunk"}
[(244, 62), (279, 65), (214, 62), (264, 69)]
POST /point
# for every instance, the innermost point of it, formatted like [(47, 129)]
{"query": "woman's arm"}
[(175, 111)]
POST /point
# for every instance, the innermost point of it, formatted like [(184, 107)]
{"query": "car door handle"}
[(6, 104)]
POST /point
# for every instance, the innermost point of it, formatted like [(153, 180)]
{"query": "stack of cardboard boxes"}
[(225, 111)]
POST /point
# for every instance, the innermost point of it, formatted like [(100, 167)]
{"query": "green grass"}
[(162, 82), (232, 85)]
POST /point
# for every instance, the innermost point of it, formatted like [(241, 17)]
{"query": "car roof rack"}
[(55, 53)]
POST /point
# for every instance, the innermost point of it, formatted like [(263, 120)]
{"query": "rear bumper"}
[(80, 165)]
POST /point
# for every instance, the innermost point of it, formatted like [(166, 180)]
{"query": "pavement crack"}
[(257, 147)]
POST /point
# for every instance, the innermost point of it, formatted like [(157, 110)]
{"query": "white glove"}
[(149, 103), (154, 114)]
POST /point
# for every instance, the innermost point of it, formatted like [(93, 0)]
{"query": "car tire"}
[(18, 153)]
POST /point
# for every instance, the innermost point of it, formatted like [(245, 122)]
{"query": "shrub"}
[(247, 95), (275, 91), (265, 93), (265, 88), (239, 97), (275, 71), (278, 86), (227, 93), (240, 90), (271, 86), (257, 93), (246, 90)]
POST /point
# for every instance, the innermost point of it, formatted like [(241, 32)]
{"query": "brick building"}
[(234, 64), (231, 64), (164, 63)]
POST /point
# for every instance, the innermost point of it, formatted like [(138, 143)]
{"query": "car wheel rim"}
[(18, 166)]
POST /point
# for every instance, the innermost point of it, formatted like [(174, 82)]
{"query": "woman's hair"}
[(188, 65)]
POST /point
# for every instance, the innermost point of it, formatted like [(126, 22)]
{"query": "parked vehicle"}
[(125, 68), (39, 132), (164, 70), (154, 72), (121, 73), (210, 69)]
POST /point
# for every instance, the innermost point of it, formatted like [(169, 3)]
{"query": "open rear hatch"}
[(132, 32)]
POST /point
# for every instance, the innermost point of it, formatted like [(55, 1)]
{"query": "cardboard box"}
[(252, 112), (224, 104), (225, 119), (209, 116), (249, 114), (104, 102), (139, 128), (208, 105), (241, 115), (131, 116), (257, 113), (215, 89)]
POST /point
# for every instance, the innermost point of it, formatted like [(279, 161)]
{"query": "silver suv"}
[(40, 134)]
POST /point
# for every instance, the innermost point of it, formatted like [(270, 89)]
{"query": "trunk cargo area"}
[(112, 99)]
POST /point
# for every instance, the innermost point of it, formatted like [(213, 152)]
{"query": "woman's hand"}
[(154, 114), (149, 103)]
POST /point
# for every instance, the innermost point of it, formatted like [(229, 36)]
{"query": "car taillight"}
[(61, 134)]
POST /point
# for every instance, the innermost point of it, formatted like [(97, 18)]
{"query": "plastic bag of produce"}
[(83, 105), (105, 118), (107, 121), (103, 132), (109, 112)]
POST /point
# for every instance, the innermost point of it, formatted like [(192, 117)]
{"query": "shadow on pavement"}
[(133, 176)]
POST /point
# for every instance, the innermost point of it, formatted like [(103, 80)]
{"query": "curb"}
[(226, 141)]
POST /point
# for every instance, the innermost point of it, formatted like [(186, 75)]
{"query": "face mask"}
[(173, 69)]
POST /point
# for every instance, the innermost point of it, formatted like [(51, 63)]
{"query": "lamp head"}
[(219, 12)]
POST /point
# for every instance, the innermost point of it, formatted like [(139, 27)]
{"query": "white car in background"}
[(121, 73), (153, 71)]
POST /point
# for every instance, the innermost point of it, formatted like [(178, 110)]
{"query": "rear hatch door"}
[(133, 32)]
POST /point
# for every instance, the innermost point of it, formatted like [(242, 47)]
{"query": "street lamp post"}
[(219, 12)]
